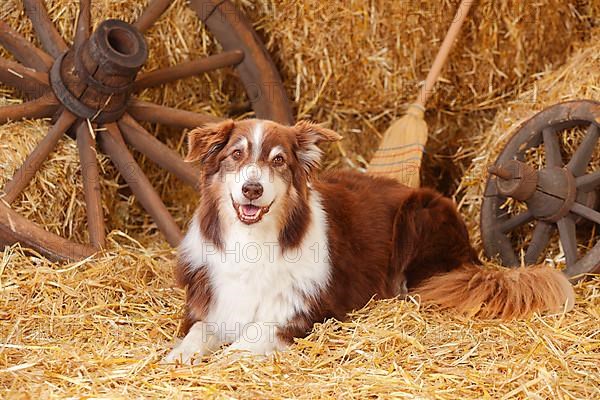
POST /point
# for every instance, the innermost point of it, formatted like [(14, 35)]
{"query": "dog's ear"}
[(205, 141), (309, 135)]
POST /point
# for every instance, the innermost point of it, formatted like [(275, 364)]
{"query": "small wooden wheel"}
[(561, 195), (93, 83)]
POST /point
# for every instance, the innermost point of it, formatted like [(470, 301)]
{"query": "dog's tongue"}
[(249, 209)]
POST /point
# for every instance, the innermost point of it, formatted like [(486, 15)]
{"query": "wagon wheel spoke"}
[(84, 22), (27, 80), (589, 182), (34, 161), (515, 221), (45, 30), (568, 239), (151, 14), (553, 157), (25, 52), (504, 245), (189, 68), (112, 144), (138, 137), (584, 152), (86, 145), (539, 241), (150, 112), (41, 107), (586, 212)]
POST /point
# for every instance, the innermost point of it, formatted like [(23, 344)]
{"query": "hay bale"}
[(356, 64), (577, 79), (351, 65)]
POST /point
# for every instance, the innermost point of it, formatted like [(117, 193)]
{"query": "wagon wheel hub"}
[(549, 193), (560, 196), (95, 80)]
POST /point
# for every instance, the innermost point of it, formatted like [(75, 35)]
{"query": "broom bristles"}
[(401, 150)]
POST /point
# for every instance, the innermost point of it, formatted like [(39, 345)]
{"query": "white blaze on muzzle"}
[(251, 173)]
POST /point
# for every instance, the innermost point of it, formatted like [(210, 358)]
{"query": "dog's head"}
[(256, 167)]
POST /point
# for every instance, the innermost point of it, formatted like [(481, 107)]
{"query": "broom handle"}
[(442, 55)]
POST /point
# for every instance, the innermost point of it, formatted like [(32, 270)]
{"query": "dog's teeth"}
[(250, 213)]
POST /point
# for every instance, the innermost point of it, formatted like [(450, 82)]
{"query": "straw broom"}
[(401, 150)]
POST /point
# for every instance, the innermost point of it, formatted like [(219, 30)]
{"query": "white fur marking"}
[(243, 144), (257, 140), (310, 156), (273, 186), (258, 288)]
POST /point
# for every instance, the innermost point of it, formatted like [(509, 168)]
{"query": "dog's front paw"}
[(241, 348), (185, 355)]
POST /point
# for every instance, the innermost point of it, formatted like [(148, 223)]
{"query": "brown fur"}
[(198, 294), (381, 233), (208, 140)]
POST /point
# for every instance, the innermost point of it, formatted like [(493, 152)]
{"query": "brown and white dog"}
[(274, 248)]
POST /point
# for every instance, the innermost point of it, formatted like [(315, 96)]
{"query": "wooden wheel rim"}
[(258, 73)]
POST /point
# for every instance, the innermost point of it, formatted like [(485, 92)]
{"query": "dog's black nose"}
[(252, 190)]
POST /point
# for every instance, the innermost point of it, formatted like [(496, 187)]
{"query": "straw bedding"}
[(98, 328)]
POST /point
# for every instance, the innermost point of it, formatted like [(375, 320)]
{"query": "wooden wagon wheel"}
[(558, 197), (94, 82)]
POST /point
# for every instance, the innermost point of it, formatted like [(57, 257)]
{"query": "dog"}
[(274, 247)]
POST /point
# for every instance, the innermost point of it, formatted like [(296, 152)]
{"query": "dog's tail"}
[(499, 293)]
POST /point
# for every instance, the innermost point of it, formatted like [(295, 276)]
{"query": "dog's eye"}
[(236, 155), (278, 161)]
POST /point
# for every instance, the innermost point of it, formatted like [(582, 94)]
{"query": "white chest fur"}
[(253, 280)]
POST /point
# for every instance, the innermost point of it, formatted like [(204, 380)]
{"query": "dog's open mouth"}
[(250, 213)]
